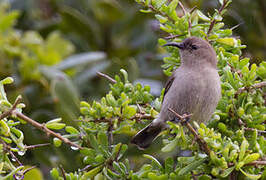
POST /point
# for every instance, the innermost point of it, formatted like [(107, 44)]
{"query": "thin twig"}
[(107, 77), (254, 163), (182, 7), (7, 148), (234, 70), (252, 129), (116, 156), (254, 86), (28, 169), (9, 112), (45, 129), (62, 171), (219, 12), (159, 12), (37, 145), (86, 168), (236, 26), (173, 36), (203, 145), (185, 13), (193, 9)]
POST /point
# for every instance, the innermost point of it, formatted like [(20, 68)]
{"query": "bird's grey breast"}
[(192, 92)]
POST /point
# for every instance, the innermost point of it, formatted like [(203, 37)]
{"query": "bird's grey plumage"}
[(193, 88)]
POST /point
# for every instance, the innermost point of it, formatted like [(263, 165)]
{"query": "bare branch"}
[(28, 169), (42, 127), (254, 86), (202, 144), (9, 112), (214, 21), (107, 77), (62, 171), (252, 129), (37, 145)]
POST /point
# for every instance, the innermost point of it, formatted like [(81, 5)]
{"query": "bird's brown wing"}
[(168, 85)]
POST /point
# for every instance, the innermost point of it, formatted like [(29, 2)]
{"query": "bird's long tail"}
[(144, 138)]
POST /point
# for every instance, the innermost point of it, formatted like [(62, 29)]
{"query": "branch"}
[(219, 12), (107, 77), (63, 172), (254, 163), (37, 145), (189, 19), (9, 112), (203, 145), (7, 148), (159, 12), (252, 129), (42, 127), (254, 86)]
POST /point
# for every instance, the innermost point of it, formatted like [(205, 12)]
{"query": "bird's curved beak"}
[(175, 44)]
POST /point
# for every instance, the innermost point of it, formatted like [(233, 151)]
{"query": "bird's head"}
[(195, 51)]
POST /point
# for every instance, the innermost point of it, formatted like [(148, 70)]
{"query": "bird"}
[(193, 88)]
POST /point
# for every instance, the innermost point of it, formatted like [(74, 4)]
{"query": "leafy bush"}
[(231, 146)]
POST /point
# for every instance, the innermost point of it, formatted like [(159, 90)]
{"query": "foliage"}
[(235, 135)]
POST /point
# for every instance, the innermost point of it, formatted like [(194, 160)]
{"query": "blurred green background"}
[(53, 49)]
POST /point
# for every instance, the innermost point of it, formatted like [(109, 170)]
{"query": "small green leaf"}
[(195, 164), (243, 148), (251, 157), (102, 139), (57, 120), (169, 147), (54, 173), (227, 41), (203, 16), (157, 163), (57, 142), (8, 80), (251, 176), (71, 130), (55, 126), (90, 174), (226, 172)]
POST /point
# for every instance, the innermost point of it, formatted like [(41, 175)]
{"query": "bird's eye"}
[(194, 47)]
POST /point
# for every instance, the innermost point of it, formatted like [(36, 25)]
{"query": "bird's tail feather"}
[(144, 138)]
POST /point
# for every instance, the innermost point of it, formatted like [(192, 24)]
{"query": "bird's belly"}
[(197, 97)]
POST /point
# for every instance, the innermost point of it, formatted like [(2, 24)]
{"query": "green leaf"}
[(4, 128), (243, 149), (195, 164), (251, 157), (55, 126), (91, 173), (8, 20), (172, 145), (158, 3), (203, 16), (153, 159), (226, 172), (154, 176), (169, 165), (57, 142), (93, 141), (8, 80), (251, 176), (227, 41), (57, 120), (71, 130), (129, 111), (102, 139)]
